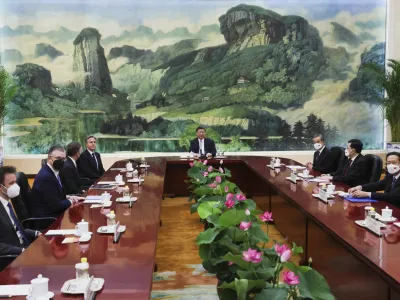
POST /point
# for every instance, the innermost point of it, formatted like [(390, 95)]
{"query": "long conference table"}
[(356, 263)]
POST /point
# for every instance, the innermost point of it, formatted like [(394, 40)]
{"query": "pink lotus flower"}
[(229, 203), (226, 189), (205, 162), (286, 255), (205, 174), (210, 169), (247, 212), (229, 196), (290, 278), (240, 197), (191, 164), (230, 263), (218, 179), (212, 185), (252, 256), (245, 226), (221, 170), (280, 249), (266, 217)]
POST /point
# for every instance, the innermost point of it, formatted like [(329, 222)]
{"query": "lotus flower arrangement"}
[(233, 244)]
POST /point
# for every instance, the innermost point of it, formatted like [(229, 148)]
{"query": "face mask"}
[(58, 164), (13, 190), (317, 146), (346, 153), (393, 169)]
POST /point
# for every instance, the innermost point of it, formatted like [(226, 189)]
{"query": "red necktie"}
[(348, 167)]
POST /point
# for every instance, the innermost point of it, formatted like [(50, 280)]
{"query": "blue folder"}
[(360, 200)]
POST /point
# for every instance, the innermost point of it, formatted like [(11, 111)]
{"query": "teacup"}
[(386, 213), (119, 178), (330, 188), (306, 173), (82, 228), (39, 288), (105, 197), (129, 166)]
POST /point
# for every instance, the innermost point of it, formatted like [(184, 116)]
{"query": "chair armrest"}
[(31, 221), (8, 256), (84, 181)]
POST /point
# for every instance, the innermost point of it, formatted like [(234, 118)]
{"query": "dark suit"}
[(321, 162), (390, 194), (353, 175), (9, 241), (209, 146), (70, 178), (48, 197), (87, 166)]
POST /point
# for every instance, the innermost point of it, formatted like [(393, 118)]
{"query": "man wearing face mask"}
[(13, 238), (390, 184), (48, 196), (321, 160), (353, 171), (69, 173)]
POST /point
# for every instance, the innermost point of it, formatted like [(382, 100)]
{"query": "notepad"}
[(108, 182), (93, 197), (15, 290), (360, 200), (61, 232)]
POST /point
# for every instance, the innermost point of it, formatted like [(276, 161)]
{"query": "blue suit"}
[(48, 197)]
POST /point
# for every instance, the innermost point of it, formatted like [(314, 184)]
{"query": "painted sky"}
[(131, 13)]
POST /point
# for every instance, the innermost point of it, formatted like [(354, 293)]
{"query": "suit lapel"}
[(60, 189), (6, 218)]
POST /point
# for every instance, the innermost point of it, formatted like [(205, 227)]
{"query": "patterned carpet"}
[(180, 273)]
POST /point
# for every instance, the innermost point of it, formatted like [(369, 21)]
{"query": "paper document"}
[(61, 232), (318, 180), (94, 197), (296, 167), (15, 290), (108, 182), (93, 201), (118, 169)]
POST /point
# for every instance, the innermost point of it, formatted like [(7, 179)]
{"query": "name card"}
[(293, 177), (323, 195), (374, 225)]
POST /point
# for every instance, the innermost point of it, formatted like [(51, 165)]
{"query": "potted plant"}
[(389, 81), (233, 245)]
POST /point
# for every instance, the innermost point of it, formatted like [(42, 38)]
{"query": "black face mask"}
[(58, 164)]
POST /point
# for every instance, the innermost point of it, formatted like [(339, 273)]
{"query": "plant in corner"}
[(8, 88), (233, 245), (389, 81)]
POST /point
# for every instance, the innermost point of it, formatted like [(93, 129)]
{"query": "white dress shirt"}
[(201, 146), (5, 202), (73, 160)]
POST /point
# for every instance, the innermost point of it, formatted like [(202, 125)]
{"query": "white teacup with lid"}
[(105, 197), (119, 178), (386, 213), (39, 289), (82, 227), (306, 173), (129, 166), (277, 162)]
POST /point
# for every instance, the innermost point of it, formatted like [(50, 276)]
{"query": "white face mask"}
[(393, 169), (346, 153), (13, 190), (317, 146)]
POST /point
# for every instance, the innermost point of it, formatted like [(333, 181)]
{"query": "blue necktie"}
[(17, 224), (393, 183), (59, 180)]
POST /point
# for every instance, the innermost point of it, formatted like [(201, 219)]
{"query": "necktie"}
[(317, 155), (393, 183), (59, 180), (17, 224), (95, 159), (347, 167)]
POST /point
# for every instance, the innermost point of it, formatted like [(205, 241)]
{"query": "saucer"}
[(124, 200), (89, 233), (85, 238), (391, 219), (49, 296)]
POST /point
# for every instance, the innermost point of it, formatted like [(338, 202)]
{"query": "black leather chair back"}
[(374, 167), (5, 260), (44, 162), (22, 202), (337, 157)]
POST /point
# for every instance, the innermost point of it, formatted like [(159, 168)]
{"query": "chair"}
[(24, 203), (44, 162), (5, 260), (337, 157), (374, 167)]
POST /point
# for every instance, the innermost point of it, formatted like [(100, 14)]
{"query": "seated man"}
[(89, 163), (390, 185), (321, 161), (202, 146), (69, 173), (48, 196), (353, 171), (13, 238)]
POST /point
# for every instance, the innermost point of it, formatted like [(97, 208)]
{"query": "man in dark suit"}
[(202, 146), (48, 196), (13, 238), (390, 184), (321, 161), (69, 173), (353, 171), (89, 163)]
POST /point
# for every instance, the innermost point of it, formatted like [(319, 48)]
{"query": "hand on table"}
[(353, 189), (209, 155), (360, 194), (196, 156), (73, 199)]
